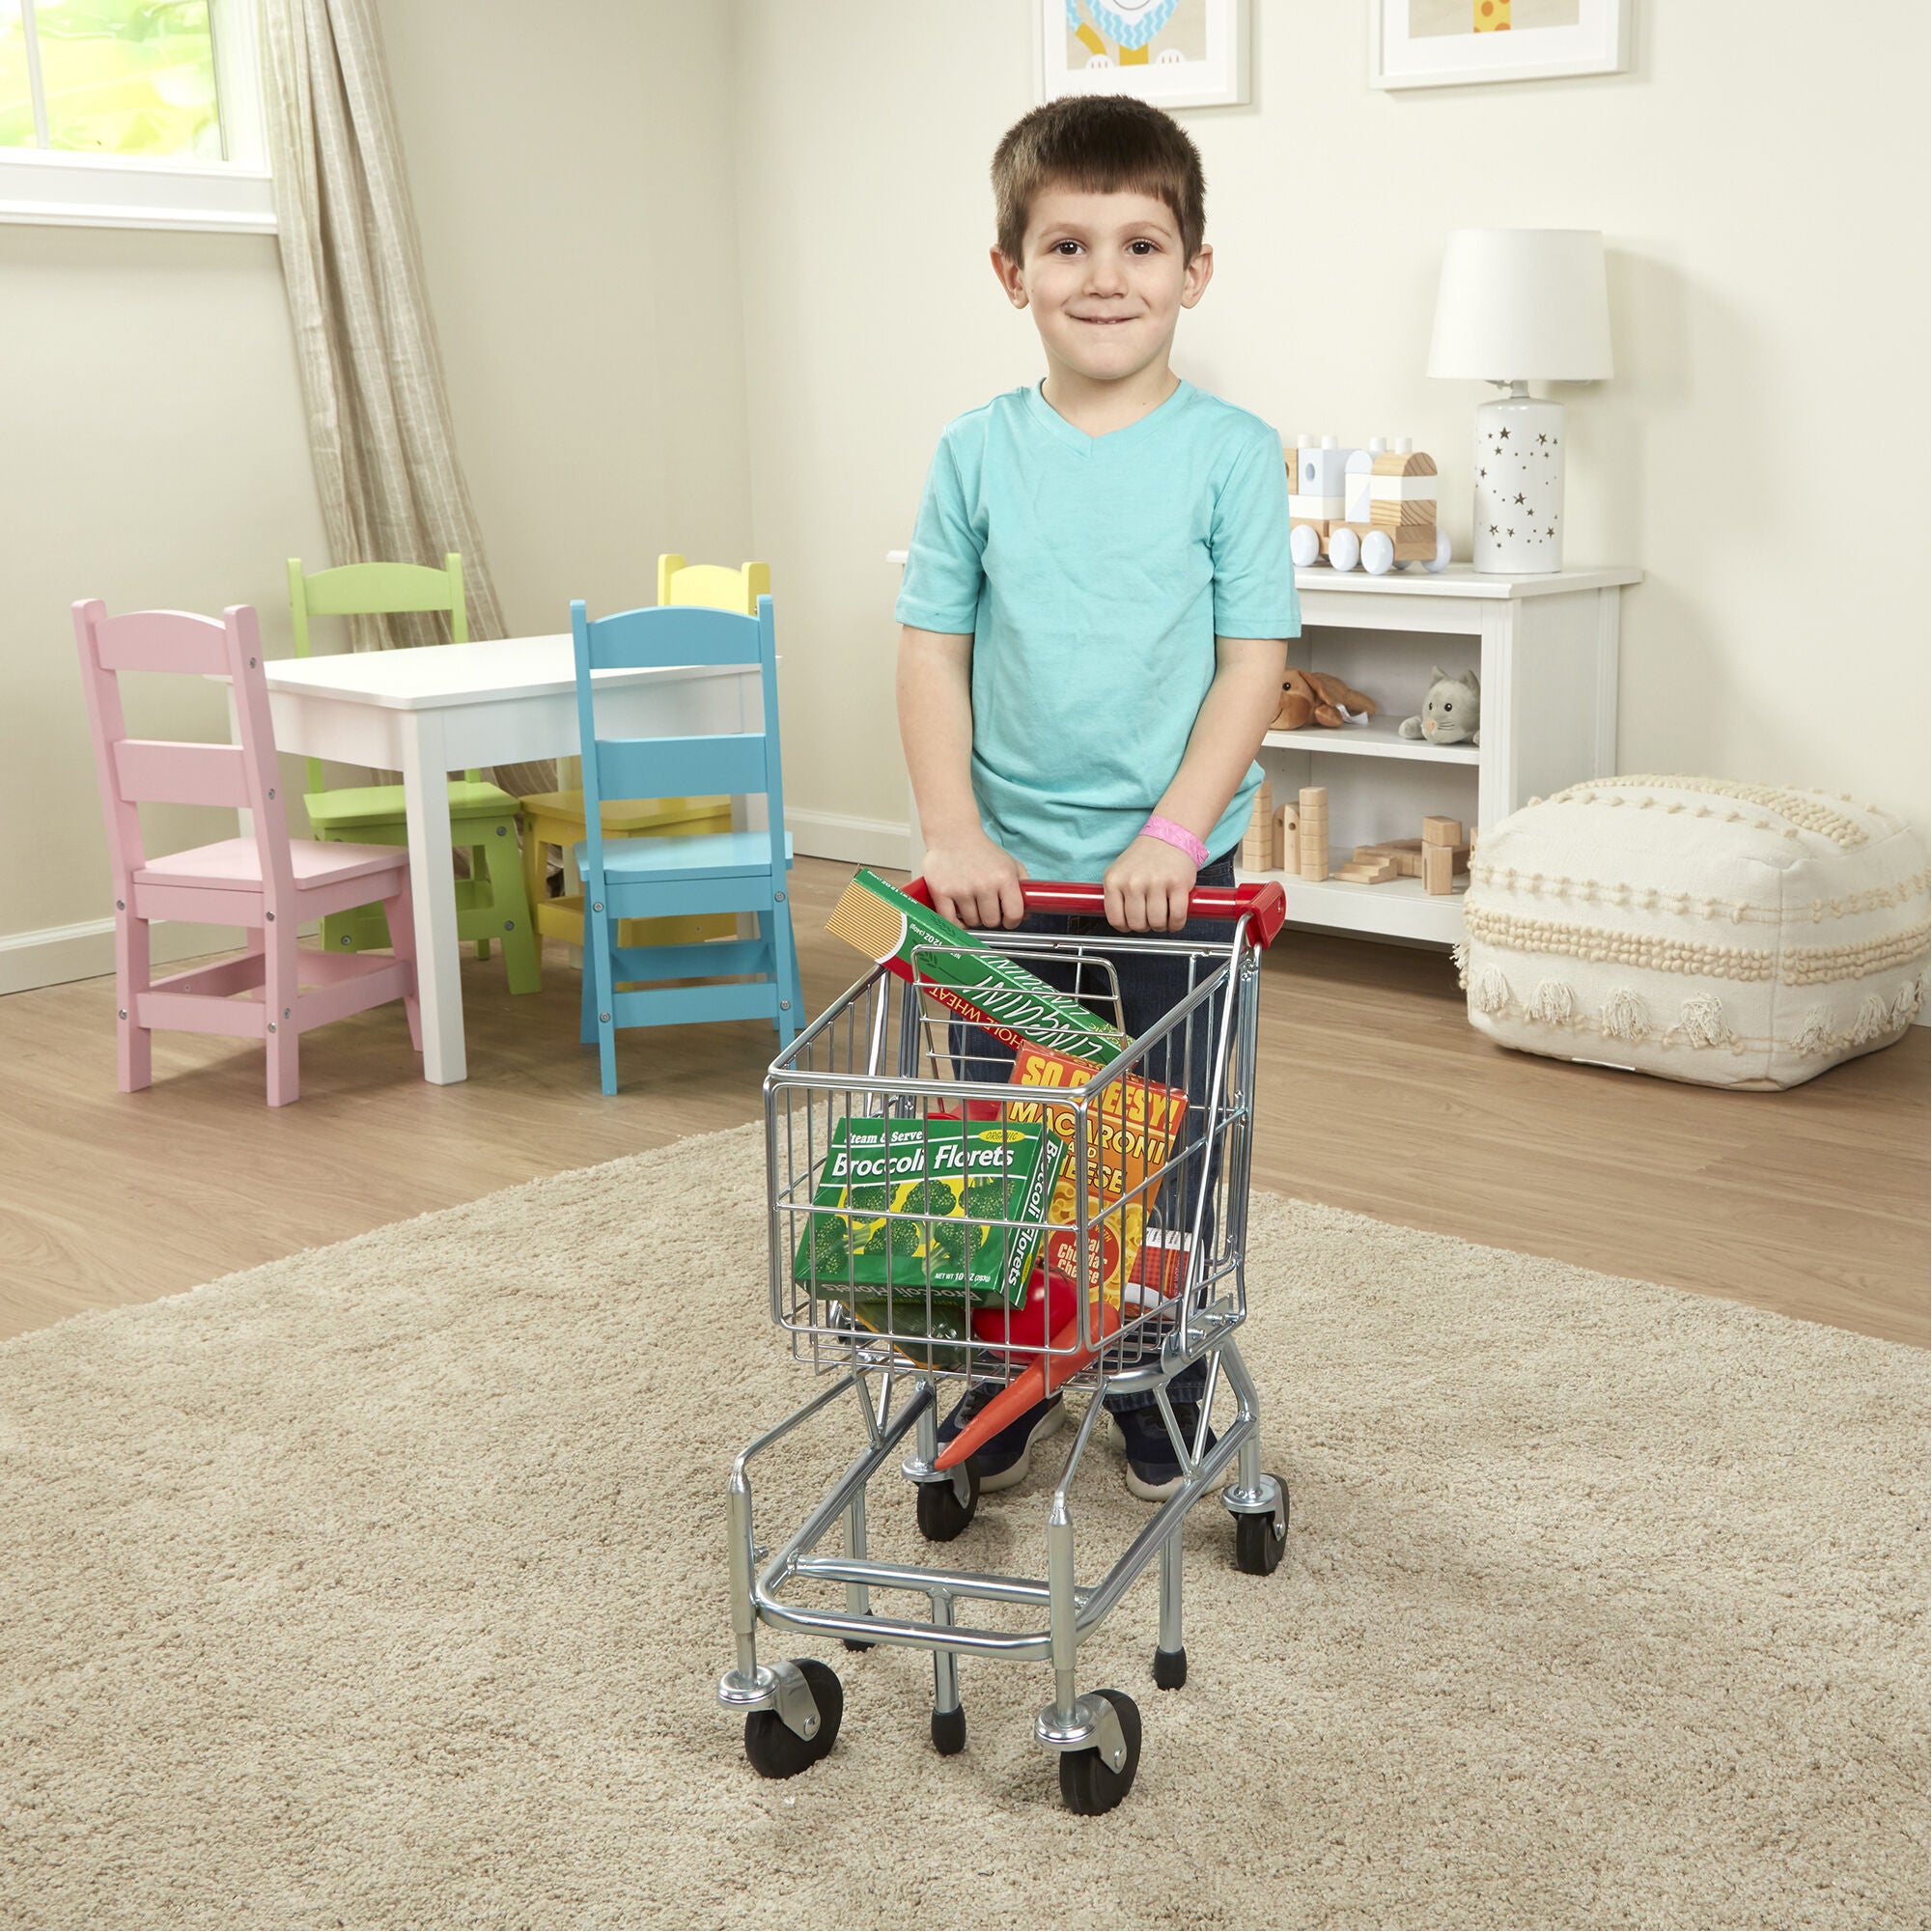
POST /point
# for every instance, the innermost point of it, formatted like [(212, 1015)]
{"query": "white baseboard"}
[(851, 841), (56, 954)]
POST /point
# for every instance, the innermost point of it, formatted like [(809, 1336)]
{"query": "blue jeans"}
[(1151, 985)]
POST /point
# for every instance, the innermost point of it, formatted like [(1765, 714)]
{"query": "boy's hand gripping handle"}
[(1266, 905)]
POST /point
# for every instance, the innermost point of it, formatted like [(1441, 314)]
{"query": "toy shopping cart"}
[(1150, 1277)]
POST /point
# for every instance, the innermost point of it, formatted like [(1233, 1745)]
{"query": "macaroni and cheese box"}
[(1132, 1127), (959, 1178)]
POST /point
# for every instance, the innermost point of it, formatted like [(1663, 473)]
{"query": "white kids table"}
[(445, 707)]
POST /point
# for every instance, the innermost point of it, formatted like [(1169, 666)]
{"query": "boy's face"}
[(1104, 277)]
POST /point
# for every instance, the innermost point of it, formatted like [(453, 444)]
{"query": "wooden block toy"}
[(1441, 831), (1438, 866), (1367, 872), (1287, 851), (1407, 853), (1313, 808), (1321, 472), (1257, 841), (1407, 864)]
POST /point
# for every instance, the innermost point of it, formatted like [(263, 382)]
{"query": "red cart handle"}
[(1266, 905)]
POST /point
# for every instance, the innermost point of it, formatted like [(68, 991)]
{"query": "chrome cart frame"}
[(889, 1049)]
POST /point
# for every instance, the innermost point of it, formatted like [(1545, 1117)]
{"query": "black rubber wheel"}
[(949, 1731), (1086, 1783), (1257, 1543), (1171, 1669), (943, 1516), (775, 1749)]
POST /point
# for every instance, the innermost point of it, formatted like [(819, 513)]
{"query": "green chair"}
[(491, 903)]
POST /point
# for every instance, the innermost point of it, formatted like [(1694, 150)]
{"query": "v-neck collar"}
[(1076, 437)]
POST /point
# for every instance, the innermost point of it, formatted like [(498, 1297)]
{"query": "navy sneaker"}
[(1153, 1471), (1005, 1458)]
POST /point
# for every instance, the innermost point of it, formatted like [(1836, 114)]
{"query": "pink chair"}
[(266, 883)]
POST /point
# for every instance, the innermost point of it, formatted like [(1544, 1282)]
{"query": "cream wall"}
[(1762, 187), (156, 456), (574, 191)]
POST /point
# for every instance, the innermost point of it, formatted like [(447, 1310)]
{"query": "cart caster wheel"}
[(775, 1749), (949, 1731), (1171, 1669), (1257, 1543), (943, 1516), (1087, 1785)]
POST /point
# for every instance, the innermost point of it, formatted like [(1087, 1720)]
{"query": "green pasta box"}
[(958, 1177)]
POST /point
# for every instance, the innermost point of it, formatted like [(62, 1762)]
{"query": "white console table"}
[(1545, 650)]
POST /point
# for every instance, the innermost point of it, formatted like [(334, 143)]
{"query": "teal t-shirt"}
[(1095, 573)]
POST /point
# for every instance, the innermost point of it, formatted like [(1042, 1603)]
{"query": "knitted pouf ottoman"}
[(1741, 936)]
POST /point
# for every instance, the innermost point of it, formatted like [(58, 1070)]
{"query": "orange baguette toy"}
[(1038, 1381)]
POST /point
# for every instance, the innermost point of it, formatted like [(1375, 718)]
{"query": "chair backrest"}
[(718, 585), (649, 767), (375, 590), (133, 771)]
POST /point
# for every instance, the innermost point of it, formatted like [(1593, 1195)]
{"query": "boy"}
[(1095, 606)]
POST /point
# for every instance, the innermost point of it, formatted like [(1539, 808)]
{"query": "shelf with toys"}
[(1535, 656), (1376, 738)]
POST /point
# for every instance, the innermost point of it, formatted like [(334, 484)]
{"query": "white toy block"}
[(1361, 475), (1402, 489), (1324, 473)]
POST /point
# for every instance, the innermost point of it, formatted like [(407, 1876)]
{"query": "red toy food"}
[(1048, 1307), (1034, 1383)]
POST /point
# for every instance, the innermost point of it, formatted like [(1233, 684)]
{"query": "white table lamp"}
[(1515, 306)]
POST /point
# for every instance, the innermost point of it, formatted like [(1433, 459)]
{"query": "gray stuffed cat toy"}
[(1451, 711)]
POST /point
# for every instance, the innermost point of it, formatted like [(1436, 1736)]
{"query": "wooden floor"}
[(1376, 1095)]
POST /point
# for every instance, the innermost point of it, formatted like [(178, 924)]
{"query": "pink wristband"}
[(1178, 837)]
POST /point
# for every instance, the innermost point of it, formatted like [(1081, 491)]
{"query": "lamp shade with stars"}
[(1515, 306)]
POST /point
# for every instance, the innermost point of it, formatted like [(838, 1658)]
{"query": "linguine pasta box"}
[(977, 983)]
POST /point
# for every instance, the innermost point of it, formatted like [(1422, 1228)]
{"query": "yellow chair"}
[(557, 818)]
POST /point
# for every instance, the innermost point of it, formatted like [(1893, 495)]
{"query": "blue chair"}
[(705, 872)]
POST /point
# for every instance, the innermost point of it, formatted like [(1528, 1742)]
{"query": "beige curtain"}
[(379, 418)]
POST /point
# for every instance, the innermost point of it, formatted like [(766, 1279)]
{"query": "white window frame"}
[(137, 192)]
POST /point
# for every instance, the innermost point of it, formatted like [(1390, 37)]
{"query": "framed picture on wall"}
[(1176, 53), (1447, 42)]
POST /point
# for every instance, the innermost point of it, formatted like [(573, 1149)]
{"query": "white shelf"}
[(1547, 648), (1466, 580), (1399, 910), (1379, 737)]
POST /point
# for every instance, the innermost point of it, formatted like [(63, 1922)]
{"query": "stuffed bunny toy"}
[(1451, 711), (1316, 695)]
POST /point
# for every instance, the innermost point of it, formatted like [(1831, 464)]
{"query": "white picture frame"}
[(1170, 78), (1596, 39)]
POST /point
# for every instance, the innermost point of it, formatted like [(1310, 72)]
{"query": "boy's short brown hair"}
[(1101, 143)]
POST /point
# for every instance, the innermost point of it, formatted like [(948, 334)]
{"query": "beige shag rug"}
[(383, 1586)]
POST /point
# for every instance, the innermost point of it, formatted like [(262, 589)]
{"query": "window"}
[(132, 113)]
